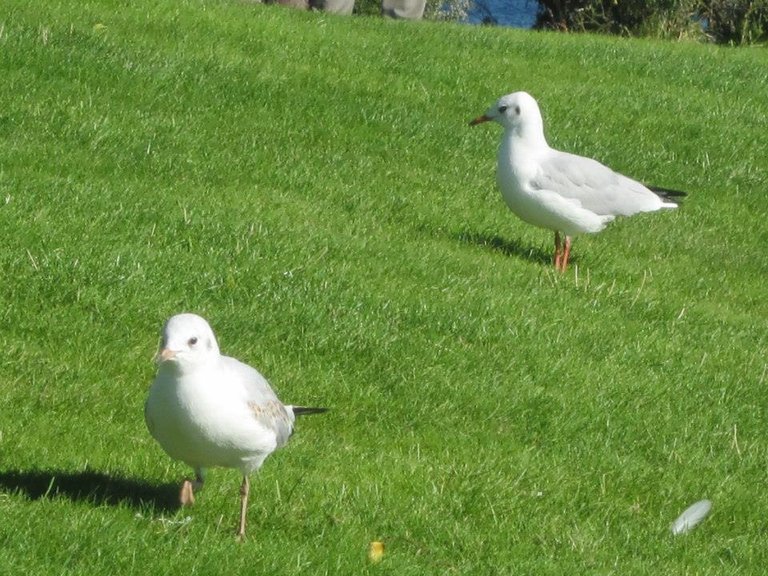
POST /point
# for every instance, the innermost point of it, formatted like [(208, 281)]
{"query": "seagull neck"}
[(182, 368), (515, 146), (532, 134)]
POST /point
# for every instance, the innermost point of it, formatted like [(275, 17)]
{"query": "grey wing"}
[(594, 186), (264, 403), (274, 416)]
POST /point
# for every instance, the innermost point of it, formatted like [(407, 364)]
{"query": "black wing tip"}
[(668, 193), (305, 410)]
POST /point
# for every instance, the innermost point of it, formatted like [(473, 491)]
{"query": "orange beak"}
[(480, 120), (164, 355)]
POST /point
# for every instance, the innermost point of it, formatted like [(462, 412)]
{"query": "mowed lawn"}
[(311, 186)]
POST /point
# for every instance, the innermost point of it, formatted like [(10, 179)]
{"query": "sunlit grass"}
[(310, 185)]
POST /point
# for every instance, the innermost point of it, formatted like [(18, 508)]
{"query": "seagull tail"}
[(305, 410), (671, 197)]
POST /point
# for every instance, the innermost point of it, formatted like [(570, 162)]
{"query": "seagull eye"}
[(502, 109), (192, 341)]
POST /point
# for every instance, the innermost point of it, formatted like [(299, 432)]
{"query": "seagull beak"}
[(480, 120), (164, 355)]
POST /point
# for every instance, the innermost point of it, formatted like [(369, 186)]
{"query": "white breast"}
[(204, 421)]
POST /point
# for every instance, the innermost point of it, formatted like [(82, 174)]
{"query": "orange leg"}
[(188, 488), (566, 253), (558, 250), (244, 488)]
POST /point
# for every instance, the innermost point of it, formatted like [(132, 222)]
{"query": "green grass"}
[(310, 185)]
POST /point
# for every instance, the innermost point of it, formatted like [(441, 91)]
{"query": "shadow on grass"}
[(96, 487), (506, 247)]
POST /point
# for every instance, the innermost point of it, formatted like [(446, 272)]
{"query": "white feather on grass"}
[(691, 516)]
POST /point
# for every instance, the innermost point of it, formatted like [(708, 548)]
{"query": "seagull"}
[(207, 409), (556, 190)]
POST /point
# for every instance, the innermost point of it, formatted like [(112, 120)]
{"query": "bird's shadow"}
[(505, 246), (91, 486)]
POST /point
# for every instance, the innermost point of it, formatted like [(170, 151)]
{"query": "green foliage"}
[(736, 21), (309, 184), (367, 7), (724, 21), (599, 15)]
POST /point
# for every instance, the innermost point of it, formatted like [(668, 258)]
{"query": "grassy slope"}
[(309, 184)]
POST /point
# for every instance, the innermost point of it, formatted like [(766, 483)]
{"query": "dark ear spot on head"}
[(209, 342), (517, 110)]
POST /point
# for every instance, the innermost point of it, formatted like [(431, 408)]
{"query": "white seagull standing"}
[(556, 190), (208, 410)]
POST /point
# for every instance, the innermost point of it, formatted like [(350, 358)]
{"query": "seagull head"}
[(187, 340), (517, 112)]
